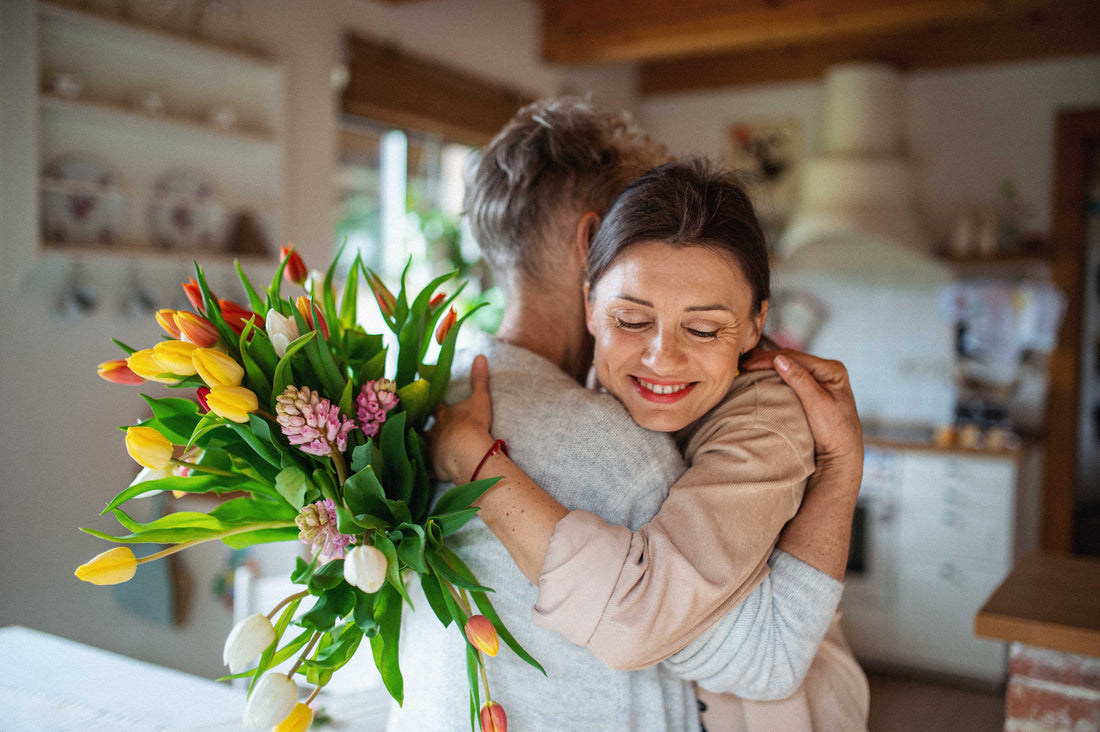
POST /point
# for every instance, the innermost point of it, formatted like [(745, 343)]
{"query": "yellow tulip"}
[(232, 402), (298, 720), (146, 366), (148, 447), (112, 567), (217, 368), (482, 635), (175, 357)]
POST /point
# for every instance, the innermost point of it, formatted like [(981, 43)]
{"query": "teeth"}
[(662, 388)]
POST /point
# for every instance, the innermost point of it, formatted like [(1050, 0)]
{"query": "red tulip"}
[(312, 314), (118, 372), (445, 325), (194, 295), (167, 320), (196, 329), (437, 299), (493, 718), (200, 395), (236, 316), (387, 303), (295, 271)]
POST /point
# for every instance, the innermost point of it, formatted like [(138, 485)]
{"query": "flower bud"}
[(237, 316), (365, 567), (248, 639), (298, 720), (200, 395), (194, 295), (312, 314), (493, 718), (216, 367), (148, 447), (174, 357), (482, 635), (167, 319), (445, 325), (144, 365), (295, 271), (281, 330), (234, 403), (117, 372), (196, 329), (271, 701), (437, 299), (387, 303), (112, 567)]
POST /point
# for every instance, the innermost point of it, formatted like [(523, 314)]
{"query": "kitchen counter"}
[(1049, 601)]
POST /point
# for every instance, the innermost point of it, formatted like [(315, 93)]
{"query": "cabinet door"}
[(936, 608)]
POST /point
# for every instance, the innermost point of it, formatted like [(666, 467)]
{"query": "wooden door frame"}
[(1076, 132)]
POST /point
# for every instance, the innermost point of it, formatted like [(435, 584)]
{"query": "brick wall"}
[(1049, 691)]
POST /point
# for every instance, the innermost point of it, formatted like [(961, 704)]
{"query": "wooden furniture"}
[(1048, 600)]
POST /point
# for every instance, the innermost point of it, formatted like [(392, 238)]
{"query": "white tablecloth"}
[(54, 684)]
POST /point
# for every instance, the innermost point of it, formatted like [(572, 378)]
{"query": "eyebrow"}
[(690, 308)]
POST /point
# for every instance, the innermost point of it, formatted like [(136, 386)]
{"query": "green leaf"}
[(327, 485), (333, 657), (257, 378), (254, 300), (327, 576), (348, 311), (442, 377), (248, 511), (214, 313), (422, 481), (361, 456), (261, 536), (173, 417), (438, 563), (393, 568), (365, 495), (264, 449), (434, 594), (384, 645), (356, 525), (411, 548), (292, 485), (460, 497), (331, 606), (197, 483), (283, 372), (364, 613), (397, 473), (449, 523)]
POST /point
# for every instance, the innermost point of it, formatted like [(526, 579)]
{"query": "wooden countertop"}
[(1050, 601)]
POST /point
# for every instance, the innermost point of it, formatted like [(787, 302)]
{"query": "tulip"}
[(175, 357), (248, 639), (217, 368), (312, 314), (298, 720), (493, 718), (144, 365), (437, 299), (234, 403), (272, 700), (281, 330), (167, 319), (148, 447), (196, 329), (237, 316), (200, 395), (482, 635), (445, 325), (387, 303), (295, 271), (194, 295), (365, 567), (117, 372), (112, 567)]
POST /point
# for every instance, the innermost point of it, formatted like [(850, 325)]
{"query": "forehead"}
[(693, 270)]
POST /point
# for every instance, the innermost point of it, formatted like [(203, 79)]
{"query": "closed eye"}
[(628, 325), (702, 333)]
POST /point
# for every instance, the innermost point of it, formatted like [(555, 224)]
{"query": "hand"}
[(827, 397), (460, 436)]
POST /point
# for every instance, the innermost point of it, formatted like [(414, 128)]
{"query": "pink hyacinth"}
[(317, 528), (312, 423), (375, 399)]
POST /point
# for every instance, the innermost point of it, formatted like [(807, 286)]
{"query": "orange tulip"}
[(295, 271), (445, 325), (196, 329), (167, 320), (312, 314), (118, 372), (237, 316), (387, 303), (482, 635), (437, 299), (493, 718), (194, 295)]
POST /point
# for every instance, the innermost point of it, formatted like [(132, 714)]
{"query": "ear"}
[(757, 327), (586, 228), (589, 321)]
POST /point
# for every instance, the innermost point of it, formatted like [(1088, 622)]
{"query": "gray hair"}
[(557, 159)]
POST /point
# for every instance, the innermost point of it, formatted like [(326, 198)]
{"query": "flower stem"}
[(341, 468), (313, 696), (203, 468), (286, 602), (195, 542), (302, 657)]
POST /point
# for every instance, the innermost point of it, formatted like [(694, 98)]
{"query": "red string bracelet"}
[(498, 446)]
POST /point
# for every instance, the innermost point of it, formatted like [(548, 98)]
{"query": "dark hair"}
[(690, 202), (556, 159)]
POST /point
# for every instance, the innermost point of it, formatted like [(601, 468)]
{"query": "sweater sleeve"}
[(635, 598), (762, 649)]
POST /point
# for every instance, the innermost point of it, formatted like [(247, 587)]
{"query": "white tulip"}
[(248, 639), (281, 330), (365, 567), (272, 699)]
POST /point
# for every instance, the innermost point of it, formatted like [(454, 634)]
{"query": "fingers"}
[(809, 391), (479, 375)]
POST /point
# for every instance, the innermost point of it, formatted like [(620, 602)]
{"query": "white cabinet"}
[(167, 145), (939, 531)]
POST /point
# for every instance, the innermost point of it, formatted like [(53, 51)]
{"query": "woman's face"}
[(670, 324)]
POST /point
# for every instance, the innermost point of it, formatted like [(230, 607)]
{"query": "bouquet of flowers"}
[(295, 425)]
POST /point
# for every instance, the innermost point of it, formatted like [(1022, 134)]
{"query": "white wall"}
[(61, 458)]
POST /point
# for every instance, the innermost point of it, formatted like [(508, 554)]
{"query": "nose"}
[(662, 353)]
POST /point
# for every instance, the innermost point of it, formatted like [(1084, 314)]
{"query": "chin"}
[(660, 422)]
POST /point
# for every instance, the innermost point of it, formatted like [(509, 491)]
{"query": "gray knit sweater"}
[(583, 448)]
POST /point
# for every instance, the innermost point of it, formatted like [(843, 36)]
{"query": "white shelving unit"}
[(218, 129)]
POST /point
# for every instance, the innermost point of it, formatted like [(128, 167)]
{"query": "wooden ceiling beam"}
[(1063, 29), (597, 31)]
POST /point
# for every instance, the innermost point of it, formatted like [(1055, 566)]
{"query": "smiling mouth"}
[(662, 392)]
